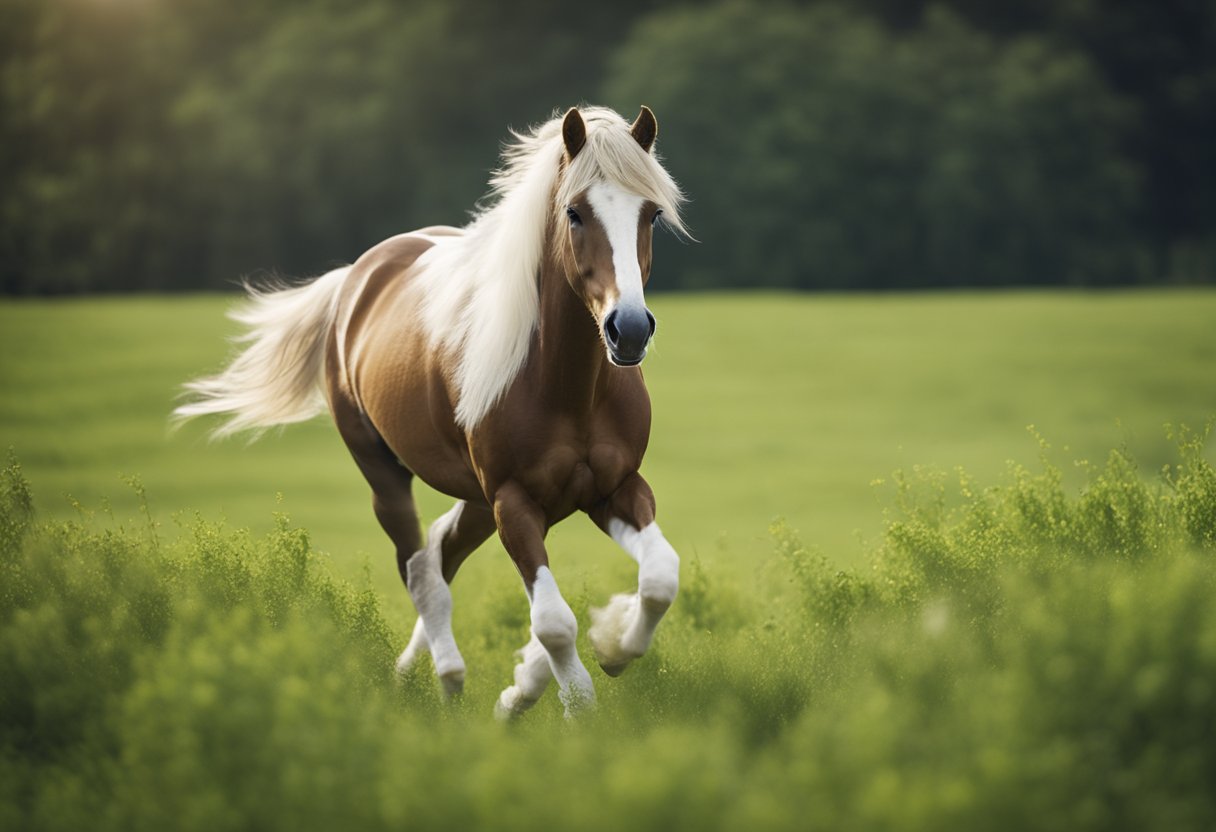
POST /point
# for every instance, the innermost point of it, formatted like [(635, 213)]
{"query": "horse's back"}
[(389, 265)]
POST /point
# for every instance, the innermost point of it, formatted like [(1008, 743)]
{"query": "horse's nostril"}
[(610, 331), (653, 324)]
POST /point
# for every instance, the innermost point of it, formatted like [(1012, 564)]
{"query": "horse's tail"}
[(277, 378)]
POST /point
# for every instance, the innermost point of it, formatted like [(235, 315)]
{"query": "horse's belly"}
[(413, 416), (448, 476)]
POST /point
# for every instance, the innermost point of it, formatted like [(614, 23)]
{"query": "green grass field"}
[(765, 406), (1038, 654)]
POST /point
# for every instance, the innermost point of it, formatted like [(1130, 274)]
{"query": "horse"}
[(499, 363)]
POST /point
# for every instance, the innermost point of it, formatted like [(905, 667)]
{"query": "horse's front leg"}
[(623, 630), (522, 527)]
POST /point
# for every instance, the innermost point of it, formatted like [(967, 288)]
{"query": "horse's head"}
[(609, 206)]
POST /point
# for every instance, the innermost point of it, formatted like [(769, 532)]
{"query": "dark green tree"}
[(170, 144), (823, 151)]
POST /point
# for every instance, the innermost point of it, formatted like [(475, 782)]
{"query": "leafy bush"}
[(140, 683), (1016, 657)]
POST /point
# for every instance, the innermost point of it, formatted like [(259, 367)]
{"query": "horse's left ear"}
[(645, 128)]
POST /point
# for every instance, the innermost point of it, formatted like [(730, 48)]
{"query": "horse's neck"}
[(571, 355)]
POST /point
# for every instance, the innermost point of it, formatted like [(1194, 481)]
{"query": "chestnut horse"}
[(499, 363)]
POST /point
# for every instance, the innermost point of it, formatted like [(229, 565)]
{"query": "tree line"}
[(181, 144)]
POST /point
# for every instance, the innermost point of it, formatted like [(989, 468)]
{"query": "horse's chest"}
[(572, 475), (564, 462)]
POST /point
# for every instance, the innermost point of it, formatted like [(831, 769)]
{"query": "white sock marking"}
[(623, 630), (417, 646), (433, 600), (554, 626), (532, 676)]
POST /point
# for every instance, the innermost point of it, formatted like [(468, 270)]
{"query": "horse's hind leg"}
[(451, 539), (622, 631), (421, 568)]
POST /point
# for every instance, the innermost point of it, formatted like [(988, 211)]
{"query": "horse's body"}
[(467, 357)]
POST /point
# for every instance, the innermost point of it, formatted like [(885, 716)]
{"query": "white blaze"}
[(618, 211)]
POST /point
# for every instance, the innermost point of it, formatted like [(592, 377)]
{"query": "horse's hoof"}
[(453, 684), (608, 627), (614, 669), (577, 702), (510, 705)]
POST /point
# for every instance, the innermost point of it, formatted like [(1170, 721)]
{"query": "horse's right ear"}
[(574, 132)]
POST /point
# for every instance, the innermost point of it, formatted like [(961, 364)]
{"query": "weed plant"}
[(1014, 657)]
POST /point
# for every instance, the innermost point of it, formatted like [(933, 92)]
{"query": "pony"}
[(499, 363)]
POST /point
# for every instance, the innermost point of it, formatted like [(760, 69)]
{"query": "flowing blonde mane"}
[(481, 288)]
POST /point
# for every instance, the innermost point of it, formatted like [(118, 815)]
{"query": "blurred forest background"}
[(180, 144)]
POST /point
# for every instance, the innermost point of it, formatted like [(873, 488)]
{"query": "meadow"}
[(866, 637)]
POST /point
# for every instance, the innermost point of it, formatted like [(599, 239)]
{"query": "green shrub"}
[(1016, 657), (140, 683)]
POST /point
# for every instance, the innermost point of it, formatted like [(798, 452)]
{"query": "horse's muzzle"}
[(627, 332)]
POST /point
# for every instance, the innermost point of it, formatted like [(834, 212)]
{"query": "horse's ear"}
[(574, 132), (645, 128)]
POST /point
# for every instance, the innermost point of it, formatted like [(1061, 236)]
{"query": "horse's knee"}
[(553, 622), (555, 627)]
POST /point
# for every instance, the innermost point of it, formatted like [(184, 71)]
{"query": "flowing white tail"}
[(276, 379)]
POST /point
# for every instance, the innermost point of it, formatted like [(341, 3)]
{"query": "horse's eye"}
[(655, 219), (575, 219)]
